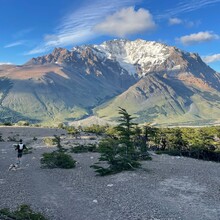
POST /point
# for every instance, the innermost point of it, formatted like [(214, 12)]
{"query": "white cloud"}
[(5, 63), (211, 58), (125, 22), (14, 44), (77, 27), (174, 21), (198, 38), (186, 23)]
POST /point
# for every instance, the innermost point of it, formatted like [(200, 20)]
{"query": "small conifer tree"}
[(120, 154)]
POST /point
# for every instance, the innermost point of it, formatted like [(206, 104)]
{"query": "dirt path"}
[(167, 188)]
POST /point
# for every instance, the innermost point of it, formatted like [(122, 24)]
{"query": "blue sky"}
[(31, 28)]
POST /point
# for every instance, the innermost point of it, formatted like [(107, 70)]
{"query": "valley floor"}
[(166, 188)]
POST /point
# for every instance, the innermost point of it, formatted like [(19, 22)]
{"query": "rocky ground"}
[(166, 188)]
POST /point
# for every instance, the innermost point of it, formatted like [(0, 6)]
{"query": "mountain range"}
[(154, 82)]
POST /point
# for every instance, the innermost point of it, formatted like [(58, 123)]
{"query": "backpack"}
[(20, 146)]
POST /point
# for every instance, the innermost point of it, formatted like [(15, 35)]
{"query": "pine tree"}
[(125, 129), (120, 154)]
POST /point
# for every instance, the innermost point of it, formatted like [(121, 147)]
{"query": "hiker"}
[(20, 147)]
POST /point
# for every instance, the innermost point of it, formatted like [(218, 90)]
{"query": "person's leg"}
[(19, 159)]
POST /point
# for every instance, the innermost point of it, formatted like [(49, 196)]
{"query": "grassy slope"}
[(165, 102)]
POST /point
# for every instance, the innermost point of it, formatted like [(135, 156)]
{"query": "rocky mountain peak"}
[(138, 57), (60, 51)]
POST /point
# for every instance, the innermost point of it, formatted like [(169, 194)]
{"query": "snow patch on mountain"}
[(134, 55)]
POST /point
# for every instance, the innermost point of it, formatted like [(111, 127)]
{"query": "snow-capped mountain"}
[(154, 81), (137, 57)]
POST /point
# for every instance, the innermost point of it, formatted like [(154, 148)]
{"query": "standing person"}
[(20, 147)]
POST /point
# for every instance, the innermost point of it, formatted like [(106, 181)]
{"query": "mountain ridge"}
[(153, 81)]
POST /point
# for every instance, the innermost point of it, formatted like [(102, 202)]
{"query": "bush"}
[(116, 157), (83, 148), (23, 212), (50, 141), (57, 159), (61, 126), (96, 129), (196, 153), (7, 124), (117, 165), (23, 123), (199, 143)]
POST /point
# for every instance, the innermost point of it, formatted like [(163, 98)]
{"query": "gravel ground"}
[(166, 188)]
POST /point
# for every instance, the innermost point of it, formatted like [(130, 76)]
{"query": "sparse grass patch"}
[(50, 141), (13, 138), (23, 212), (23, 123), (95, 129), (28, 150), (1, 139)]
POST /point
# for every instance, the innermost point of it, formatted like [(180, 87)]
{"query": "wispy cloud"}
[(212, 58), (22, 33), (77, 27), (191, 24), (187, 6), (175, 21), (198, 38), (15, 44), (125, 22)]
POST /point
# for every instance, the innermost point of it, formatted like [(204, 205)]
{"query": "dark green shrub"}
[(199, 143), (23, 212), (57, 159), (83, 148), (144, 156), (7, 124), (117, 165)]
